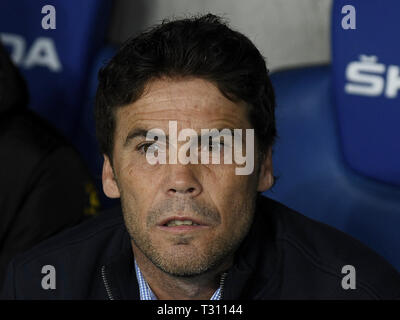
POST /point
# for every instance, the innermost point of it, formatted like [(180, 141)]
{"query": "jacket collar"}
[(120, 275)]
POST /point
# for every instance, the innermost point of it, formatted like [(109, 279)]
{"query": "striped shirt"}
[(147, 294)]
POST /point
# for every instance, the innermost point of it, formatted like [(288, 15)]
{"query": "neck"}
[(168, 287)]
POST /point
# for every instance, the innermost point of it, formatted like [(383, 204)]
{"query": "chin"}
[(182, 261)]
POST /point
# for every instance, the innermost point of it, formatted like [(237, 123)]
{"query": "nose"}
[(182, 180)]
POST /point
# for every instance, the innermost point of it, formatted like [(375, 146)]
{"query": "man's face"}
[(220, 202)]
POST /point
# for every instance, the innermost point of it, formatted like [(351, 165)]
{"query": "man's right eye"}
[(145, 147)]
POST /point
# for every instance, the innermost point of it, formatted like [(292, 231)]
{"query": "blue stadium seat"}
[(366, 70), (338, 156), (85, 138), (55, 62)]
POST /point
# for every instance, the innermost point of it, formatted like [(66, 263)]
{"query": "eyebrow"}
[(141, 132), (137, 132)]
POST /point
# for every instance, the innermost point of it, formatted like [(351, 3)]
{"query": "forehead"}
[(192, 102)]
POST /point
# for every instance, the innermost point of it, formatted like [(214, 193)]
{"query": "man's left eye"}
[(152, 147), (216, 145)]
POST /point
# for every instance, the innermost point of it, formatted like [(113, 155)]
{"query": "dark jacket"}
[(285, 256), (44, 185)]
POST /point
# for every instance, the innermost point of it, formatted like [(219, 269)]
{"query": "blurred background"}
[(287, 32), (336, 73)]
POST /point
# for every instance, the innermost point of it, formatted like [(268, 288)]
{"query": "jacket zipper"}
[(221, 284), (103, 275)]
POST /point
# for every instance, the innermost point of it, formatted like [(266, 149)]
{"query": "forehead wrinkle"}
[(175, 94), (153, 97), (167, 91), (204, 110), (157, 112), (231, 117), (163, 123), (174, 106)]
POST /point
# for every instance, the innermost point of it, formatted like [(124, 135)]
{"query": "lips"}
[(181, 221)]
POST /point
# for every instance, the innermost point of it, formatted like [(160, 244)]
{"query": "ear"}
[(110, 186), (266, 178)]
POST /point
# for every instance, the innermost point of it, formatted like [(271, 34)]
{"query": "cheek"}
[(233, 195), (228, 184), (137, 187), (136, 172)]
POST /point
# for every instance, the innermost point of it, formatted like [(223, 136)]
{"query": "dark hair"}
[(203, 47)]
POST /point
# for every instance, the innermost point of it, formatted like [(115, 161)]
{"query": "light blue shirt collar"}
[(147, 294)]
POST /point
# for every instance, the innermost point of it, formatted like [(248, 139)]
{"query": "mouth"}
[(181, 224)]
